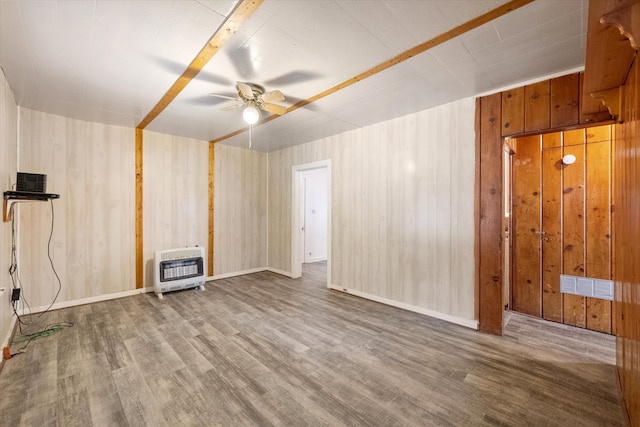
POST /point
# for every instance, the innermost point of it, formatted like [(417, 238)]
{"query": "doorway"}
[(311, 219), (561, 225)]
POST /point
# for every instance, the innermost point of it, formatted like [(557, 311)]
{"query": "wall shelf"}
[(13, 197)]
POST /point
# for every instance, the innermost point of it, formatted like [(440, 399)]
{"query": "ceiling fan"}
[(253, 97)]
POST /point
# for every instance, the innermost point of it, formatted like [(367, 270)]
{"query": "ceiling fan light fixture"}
[(251, 114)]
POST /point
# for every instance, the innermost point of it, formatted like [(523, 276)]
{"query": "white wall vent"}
[(586, 286)]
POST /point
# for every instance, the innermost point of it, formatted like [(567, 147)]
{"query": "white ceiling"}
[(112, 61)]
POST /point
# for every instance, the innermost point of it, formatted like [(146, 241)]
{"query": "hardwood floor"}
[(263, 349)]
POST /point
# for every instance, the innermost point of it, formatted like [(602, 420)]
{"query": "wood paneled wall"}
[(240, 214), (626, 165), (8, 156), (91, 166), (176, 171), (555, 104), (402, 208), (562, 224)]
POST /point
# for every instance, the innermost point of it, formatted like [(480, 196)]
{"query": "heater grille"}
[(177, 269), (181, 269)]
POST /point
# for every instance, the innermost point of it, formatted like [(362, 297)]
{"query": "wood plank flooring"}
[(265, 350)]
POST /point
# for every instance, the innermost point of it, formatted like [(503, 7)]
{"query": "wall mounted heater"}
[(178, 269)]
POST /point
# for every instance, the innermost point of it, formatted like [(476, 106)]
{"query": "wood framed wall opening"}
[(562, 219), (548, 106)]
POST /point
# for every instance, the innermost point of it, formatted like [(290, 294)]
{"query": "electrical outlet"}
[(15, 294)]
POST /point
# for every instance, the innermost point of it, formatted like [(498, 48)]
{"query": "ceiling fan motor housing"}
[(255, 88)]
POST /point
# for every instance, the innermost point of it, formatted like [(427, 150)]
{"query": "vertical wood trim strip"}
[(476, 206), (490, 228), (139, 213), (212, 148)]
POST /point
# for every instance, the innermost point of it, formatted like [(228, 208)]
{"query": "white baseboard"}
[(473, 324), (236, 273), (82, 301), (281, 272)]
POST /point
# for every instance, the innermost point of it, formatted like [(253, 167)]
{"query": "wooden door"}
[(525, 289), (562, 224)]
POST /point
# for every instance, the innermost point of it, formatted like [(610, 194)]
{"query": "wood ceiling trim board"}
[(239, 16), (408, 54)]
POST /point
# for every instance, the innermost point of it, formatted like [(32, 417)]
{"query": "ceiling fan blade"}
[(232, 107), (273, 96), (246, 90), (217, 95), (293, 77), (275, 108), (242, 61)]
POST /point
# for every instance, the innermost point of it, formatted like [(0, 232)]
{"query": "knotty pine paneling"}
[(551, 204), (626, 188), (175, 189), (526, 226), (553, 104), (573, 216), (598, 229), (92, 167), (240, 214), (537, 106), (8, 160), (565, 101), (402, 208), (513, 111)]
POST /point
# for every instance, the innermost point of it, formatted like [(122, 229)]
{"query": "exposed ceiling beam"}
[(408, 54), (242, 12)]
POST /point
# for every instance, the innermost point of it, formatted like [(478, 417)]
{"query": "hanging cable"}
[(17, 283)]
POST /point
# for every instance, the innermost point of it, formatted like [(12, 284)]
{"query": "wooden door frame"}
[(507, 224), (489, 199)]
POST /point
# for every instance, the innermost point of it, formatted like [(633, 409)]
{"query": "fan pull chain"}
[(250, 131)]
